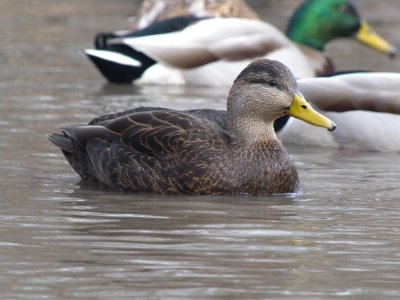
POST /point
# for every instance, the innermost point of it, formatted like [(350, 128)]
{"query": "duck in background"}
[(120, 63), (199, 50), (366, 107)]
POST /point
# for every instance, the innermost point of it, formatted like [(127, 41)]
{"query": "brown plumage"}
[(193, 152), (151, 11)]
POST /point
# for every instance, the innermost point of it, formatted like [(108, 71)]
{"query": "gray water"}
[(339, 238)]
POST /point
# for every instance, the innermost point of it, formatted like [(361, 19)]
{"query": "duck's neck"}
[(251, 132), (303, 29), (302, 39)]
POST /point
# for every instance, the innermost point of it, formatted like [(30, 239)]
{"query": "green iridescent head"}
[(316, 22)]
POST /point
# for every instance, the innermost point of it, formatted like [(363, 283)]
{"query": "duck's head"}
[(264, 91), (316, 22)]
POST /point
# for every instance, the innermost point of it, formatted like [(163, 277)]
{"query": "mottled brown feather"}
[(151, 11)]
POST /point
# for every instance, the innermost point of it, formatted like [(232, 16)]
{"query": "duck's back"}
[(163, 151)]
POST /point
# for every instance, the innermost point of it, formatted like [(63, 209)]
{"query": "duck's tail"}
[(72, 142), (120, 64)]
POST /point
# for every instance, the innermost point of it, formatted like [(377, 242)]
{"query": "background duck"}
[(196, 52), (151, 11), (366, 105), (169, 151)]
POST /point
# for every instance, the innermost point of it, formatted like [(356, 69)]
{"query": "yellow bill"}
[(367, 36), (302, 110)]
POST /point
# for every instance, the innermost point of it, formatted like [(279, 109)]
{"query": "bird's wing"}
[(210, 40)]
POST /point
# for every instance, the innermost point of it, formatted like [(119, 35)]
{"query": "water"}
[(339, 238)]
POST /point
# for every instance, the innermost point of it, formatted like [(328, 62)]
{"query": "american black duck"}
[(197, 152)]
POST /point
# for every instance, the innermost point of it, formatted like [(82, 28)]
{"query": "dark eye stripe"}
[(271, 82), (258, 81)]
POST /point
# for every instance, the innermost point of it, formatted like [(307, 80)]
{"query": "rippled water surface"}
[(339, 238)]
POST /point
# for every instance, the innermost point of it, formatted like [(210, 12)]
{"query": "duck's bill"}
[(302, 110), (367, 36)]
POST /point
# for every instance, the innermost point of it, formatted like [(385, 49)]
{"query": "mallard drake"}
[(168, 151), (212, 51)]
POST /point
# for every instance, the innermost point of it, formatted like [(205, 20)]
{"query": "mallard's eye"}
[(272, 82), (344, 9)]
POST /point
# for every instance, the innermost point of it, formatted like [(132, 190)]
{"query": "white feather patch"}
[(114, 57)]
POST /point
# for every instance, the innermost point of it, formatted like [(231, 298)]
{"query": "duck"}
[(365, 104), (168, 151), (211, 51)]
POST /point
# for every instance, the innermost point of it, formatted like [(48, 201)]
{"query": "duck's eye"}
[(272, 82), (344, 9)]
